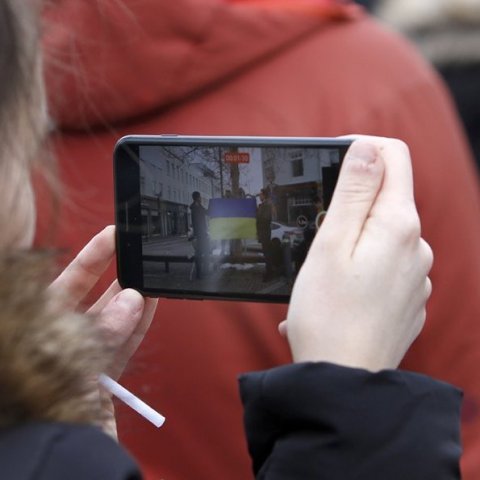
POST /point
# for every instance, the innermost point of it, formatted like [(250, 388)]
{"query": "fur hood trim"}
[(48, 360)]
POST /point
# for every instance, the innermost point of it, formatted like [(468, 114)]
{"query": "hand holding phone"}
[(123, 316), (360, 297)]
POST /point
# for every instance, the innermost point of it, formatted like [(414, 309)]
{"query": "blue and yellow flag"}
[(232, 218)]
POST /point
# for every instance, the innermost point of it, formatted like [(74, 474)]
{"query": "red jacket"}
[(211, 67)]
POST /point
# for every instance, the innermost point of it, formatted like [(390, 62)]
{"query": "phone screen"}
[(228, 218)]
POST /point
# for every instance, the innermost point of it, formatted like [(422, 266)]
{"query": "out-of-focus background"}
[(447, 33)]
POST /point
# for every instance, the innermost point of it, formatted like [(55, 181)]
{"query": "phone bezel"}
[(126, 174)]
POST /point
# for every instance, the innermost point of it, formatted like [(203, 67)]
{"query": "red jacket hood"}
[(110, 61)]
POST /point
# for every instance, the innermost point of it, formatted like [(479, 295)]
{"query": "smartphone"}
[(220, 217)]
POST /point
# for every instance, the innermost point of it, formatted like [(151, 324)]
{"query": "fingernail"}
[(362, 153), (130, 300)]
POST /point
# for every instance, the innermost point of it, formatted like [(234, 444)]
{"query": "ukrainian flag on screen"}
[(232, 218)]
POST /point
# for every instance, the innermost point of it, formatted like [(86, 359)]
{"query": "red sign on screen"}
[(236, 157)]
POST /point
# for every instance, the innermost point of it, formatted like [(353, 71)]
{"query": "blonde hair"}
[(48, 360)]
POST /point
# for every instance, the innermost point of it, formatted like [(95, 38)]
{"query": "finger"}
[(359, 182), (130, 346), (419, 324), (428, 288), (120, 317), (101, 303), (427, 255), (397, 186), (142, 327), (396, 156), (84, 271)]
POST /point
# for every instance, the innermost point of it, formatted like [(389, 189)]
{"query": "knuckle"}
[(428, 288), (427, 253), (405, 223), (412, 227)]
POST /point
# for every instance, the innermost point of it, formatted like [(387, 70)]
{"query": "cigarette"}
[(131, 400)]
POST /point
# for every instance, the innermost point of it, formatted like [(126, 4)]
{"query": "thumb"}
[(359, 182)]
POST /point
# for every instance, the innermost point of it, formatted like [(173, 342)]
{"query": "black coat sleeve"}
[(322, 421)]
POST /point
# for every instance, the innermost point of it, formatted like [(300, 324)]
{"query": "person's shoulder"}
[(57, 451), (368, 45)]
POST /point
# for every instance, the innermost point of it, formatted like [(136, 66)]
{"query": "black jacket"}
[(304, 421), (325, 422), (56, 451)]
